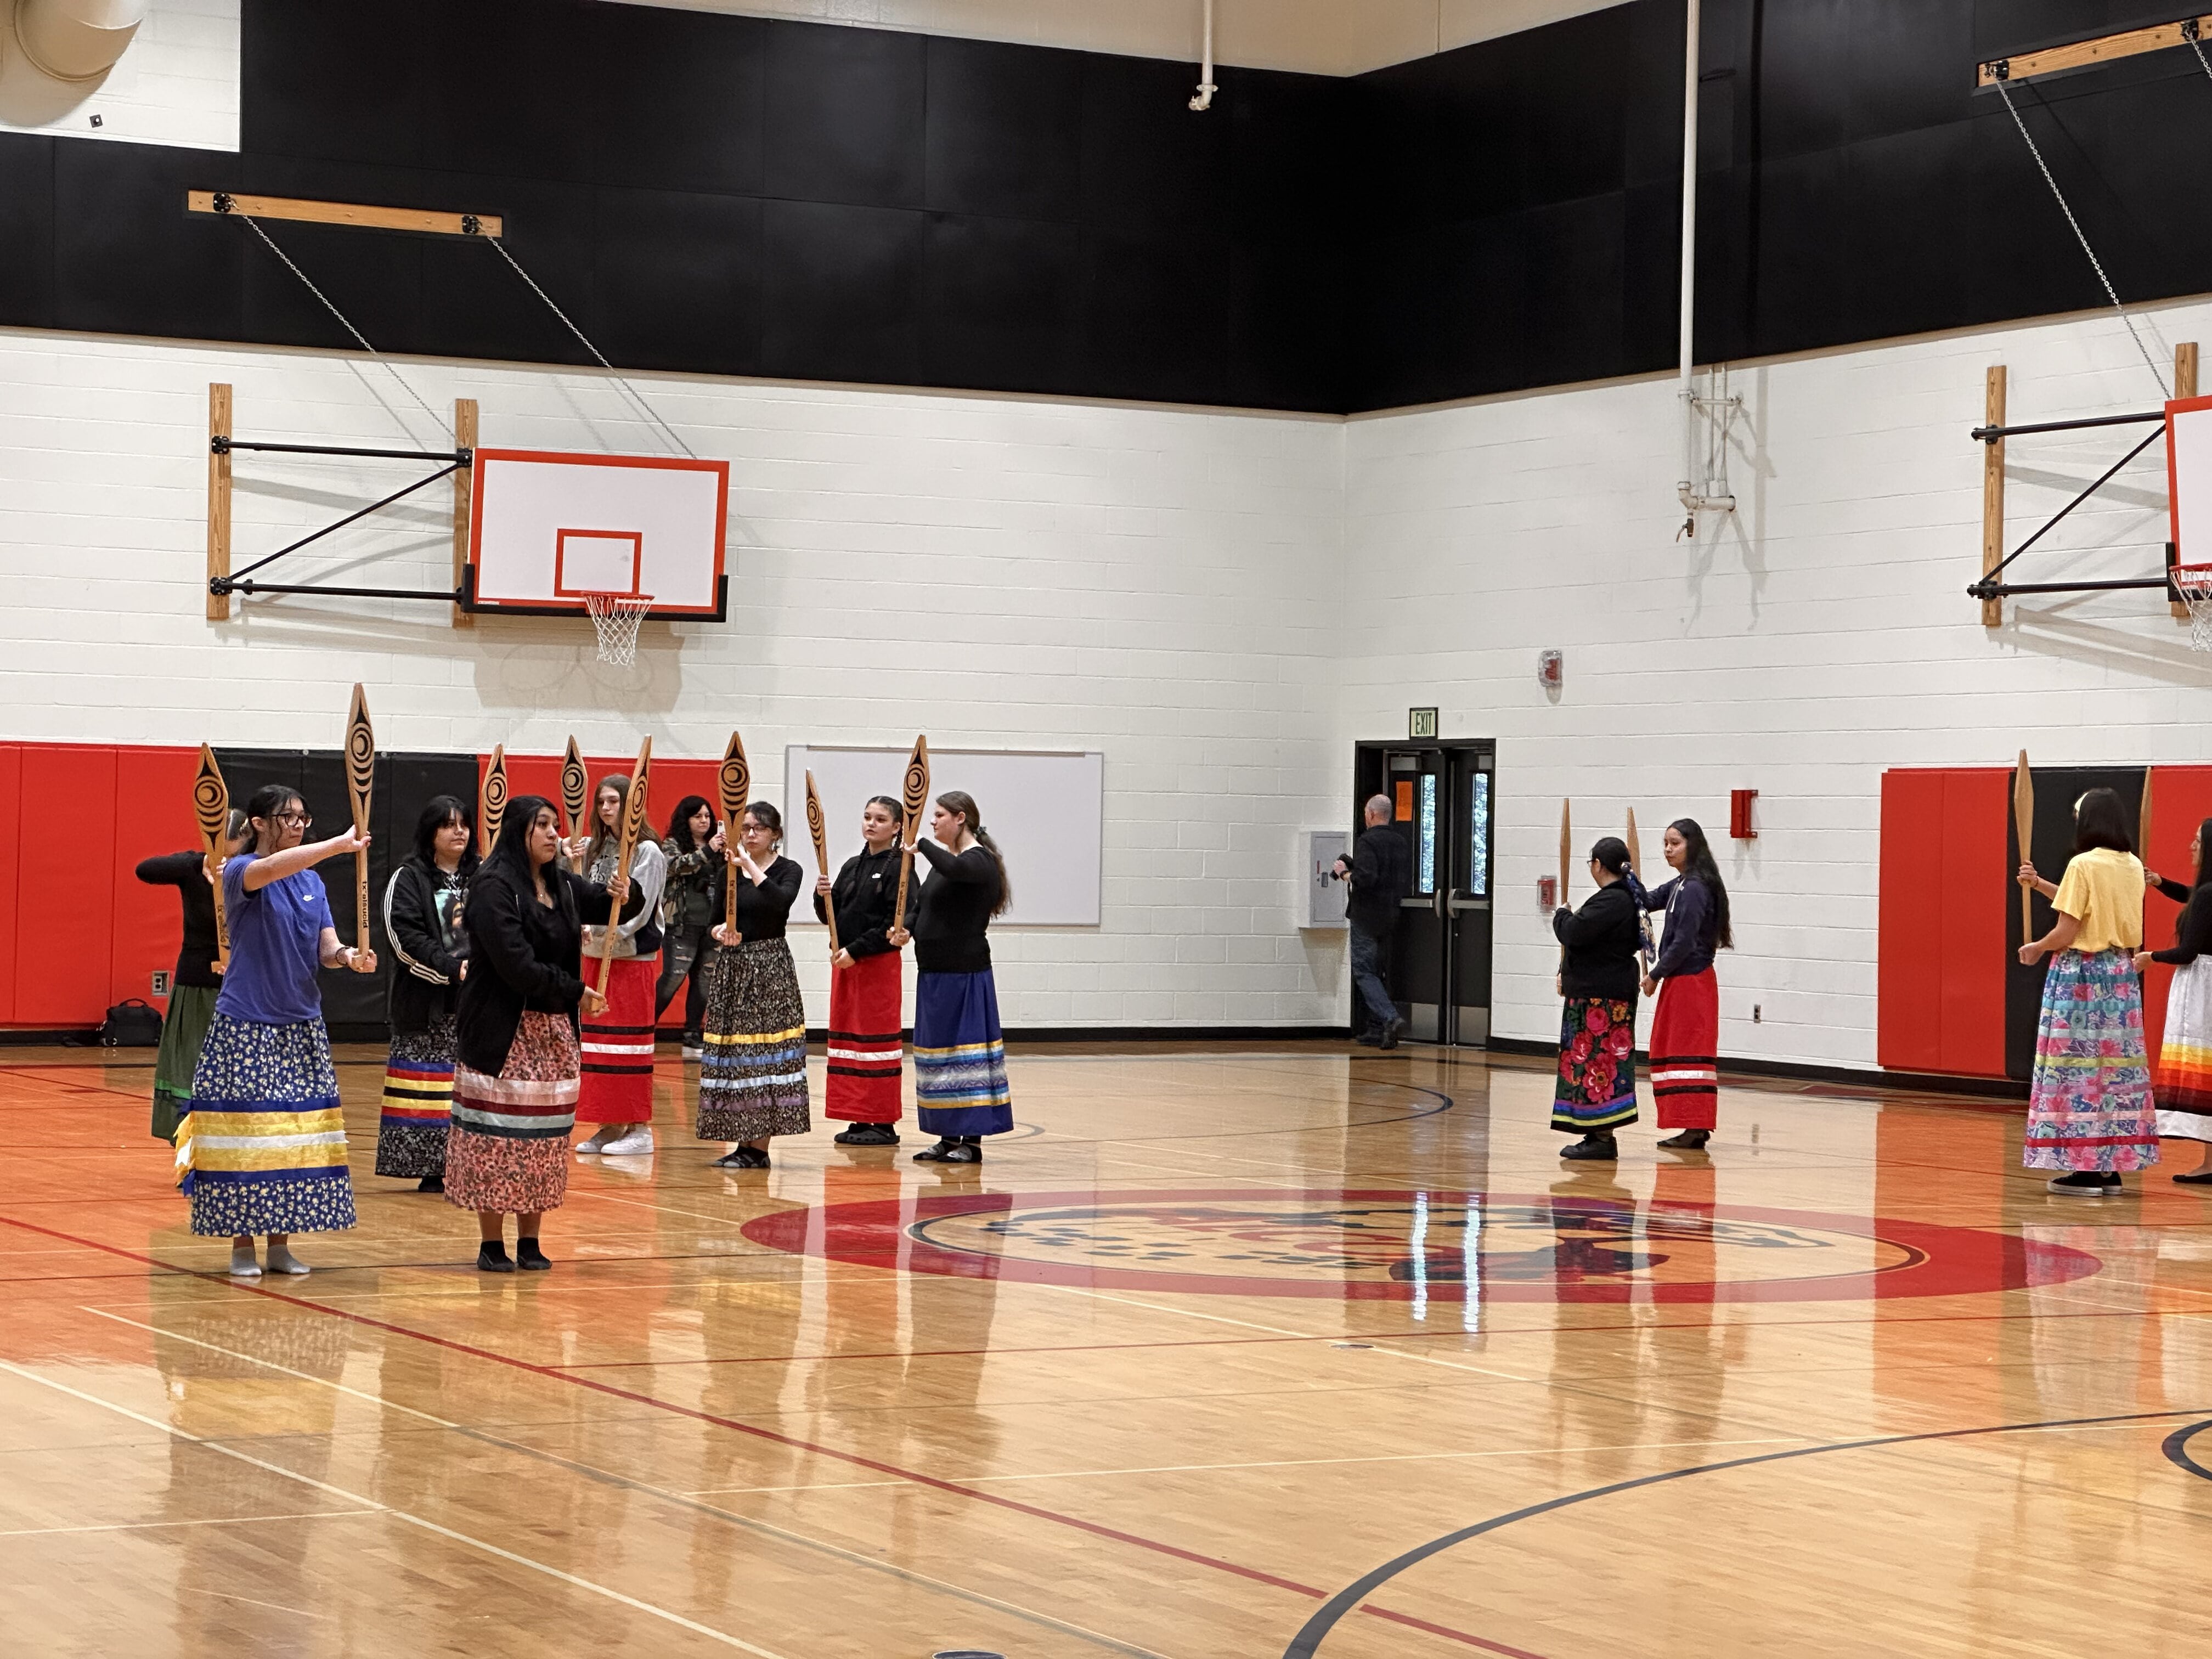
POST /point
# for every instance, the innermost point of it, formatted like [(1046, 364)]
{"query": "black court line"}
[(1307, 1642)]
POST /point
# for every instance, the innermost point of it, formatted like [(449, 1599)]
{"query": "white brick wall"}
[(176, 83), (1222, 603), (1801, 650), (994, 571)]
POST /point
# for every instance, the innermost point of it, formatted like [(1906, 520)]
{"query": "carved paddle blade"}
[(491, 801), (575, 789), (360, 776), (914, 795), (633, 821), (735, 785), (814, 828), (211, 809), (2023, 814)]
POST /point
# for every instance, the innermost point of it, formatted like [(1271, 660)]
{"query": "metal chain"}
[(2095, 264), (636, 396), (437, 424)]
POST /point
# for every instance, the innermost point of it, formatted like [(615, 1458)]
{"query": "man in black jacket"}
[(1380, 876)]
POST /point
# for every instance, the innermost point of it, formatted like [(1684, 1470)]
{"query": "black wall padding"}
[(354, 1005), (741, 196)]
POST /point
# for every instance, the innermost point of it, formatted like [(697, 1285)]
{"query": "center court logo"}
[(1398, 1245)]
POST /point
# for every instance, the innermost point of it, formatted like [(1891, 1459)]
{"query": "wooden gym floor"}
[(1282, 1351)]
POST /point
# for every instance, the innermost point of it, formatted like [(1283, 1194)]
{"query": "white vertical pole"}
[(1689, 286)]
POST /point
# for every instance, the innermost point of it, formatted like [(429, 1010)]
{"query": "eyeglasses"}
[(300, 819)]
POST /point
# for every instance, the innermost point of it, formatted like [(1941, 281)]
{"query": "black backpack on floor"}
[(131, 1024)]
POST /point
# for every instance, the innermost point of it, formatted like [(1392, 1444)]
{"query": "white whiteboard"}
[(1045, 810)]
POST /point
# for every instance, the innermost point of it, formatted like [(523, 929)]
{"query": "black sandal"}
[(2197, 1177)]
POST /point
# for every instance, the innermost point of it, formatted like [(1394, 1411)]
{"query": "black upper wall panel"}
[(743, 196)]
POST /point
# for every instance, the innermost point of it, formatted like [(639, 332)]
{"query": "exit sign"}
[(1420, 722)]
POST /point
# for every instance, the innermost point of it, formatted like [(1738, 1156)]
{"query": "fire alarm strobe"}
[(1550, 669)]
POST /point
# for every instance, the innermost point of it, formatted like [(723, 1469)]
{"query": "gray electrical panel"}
[(1325, 895)]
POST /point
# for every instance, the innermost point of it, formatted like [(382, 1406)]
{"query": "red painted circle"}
[(1925, 1259)]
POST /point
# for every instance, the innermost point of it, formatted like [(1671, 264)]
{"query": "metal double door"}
[(1439, 957)]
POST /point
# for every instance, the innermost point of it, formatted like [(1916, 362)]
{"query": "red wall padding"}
[(82, 933), (2181, 798), (1940, 973)]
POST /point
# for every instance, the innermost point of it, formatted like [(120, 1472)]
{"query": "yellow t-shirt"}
[(2104, 891)]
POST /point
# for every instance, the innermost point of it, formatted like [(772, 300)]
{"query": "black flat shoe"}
[(1592, 1149), (941, 1152), (492, 1259), (732, 1159), (431, 1184), (756, 1158), (529, 1257), (2197, 1177), (1690, 1140), (966, 1153)]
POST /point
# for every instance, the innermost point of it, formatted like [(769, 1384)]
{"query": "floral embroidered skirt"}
[(264, 1149), (960, 1056), (752, 1082), (418, 1099), (508, 1149), (2089, 1104), (2182, 1085), (1596, 1089)]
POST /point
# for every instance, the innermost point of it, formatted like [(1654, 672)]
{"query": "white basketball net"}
[(2193, 583), (616, 616)]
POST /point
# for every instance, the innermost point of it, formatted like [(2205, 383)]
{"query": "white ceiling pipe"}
[(1689, 288), (77, 39), (1205, 87)]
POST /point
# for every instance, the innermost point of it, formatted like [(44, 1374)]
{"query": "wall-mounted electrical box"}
[(1323, 903)]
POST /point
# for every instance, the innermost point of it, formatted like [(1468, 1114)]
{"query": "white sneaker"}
[(636, 1141), (593, 1147)]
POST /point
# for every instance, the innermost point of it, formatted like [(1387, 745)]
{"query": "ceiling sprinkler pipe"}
[(1688, 292), (1203, 100)]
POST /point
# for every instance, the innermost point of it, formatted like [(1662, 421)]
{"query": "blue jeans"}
[(1367, 978)]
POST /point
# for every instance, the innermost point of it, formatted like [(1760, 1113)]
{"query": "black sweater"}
[(187, 872), (865, 893), (523, 956), (1381, 875), (422, 919), (2192, 931), (955, 908), (1601, 940), (763, 908)]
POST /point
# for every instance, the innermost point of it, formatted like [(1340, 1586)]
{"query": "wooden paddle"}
[(360, 776), (491, 801), (735, 785), (913, 797), (212, 806), (1642, 927), (821, 856), (633, 822), (2023, 818), (576, 795), (2142, 838)]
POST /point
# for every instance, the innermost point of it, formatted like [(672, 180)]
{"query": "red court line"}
[(874, 1465)]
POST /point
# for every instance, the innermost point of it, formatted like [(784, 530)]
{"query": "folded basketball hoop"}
[(615, 617), (2193, 582)]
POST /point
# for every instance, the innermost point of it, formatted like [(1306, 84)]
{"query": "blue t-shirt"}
[(275, 946)]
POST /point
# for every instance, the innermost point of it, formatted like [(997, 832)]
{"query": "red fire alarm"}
[(1547, 894), (1740, 825)]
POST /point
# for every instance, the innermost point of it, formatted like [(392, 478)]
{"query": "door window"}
[(1425, 823), (1477, 845)]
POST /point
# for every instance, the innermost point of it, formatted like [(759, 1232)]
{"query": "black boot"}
[(491, 1257), (529, 1257), (1599, 1146)]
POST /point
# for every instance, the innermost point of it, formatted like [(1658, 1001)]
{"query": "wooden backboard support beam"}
[(464, 437), (218, 499), (420, 220), (1993, 517), (2105, 49)]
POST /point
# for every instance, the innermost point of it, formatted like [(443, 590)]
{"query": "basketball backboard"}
[(547, 529)]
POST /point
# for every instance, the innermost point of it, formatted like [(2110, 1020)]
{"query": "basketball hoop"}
[(615, 617), (2193, 583)]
